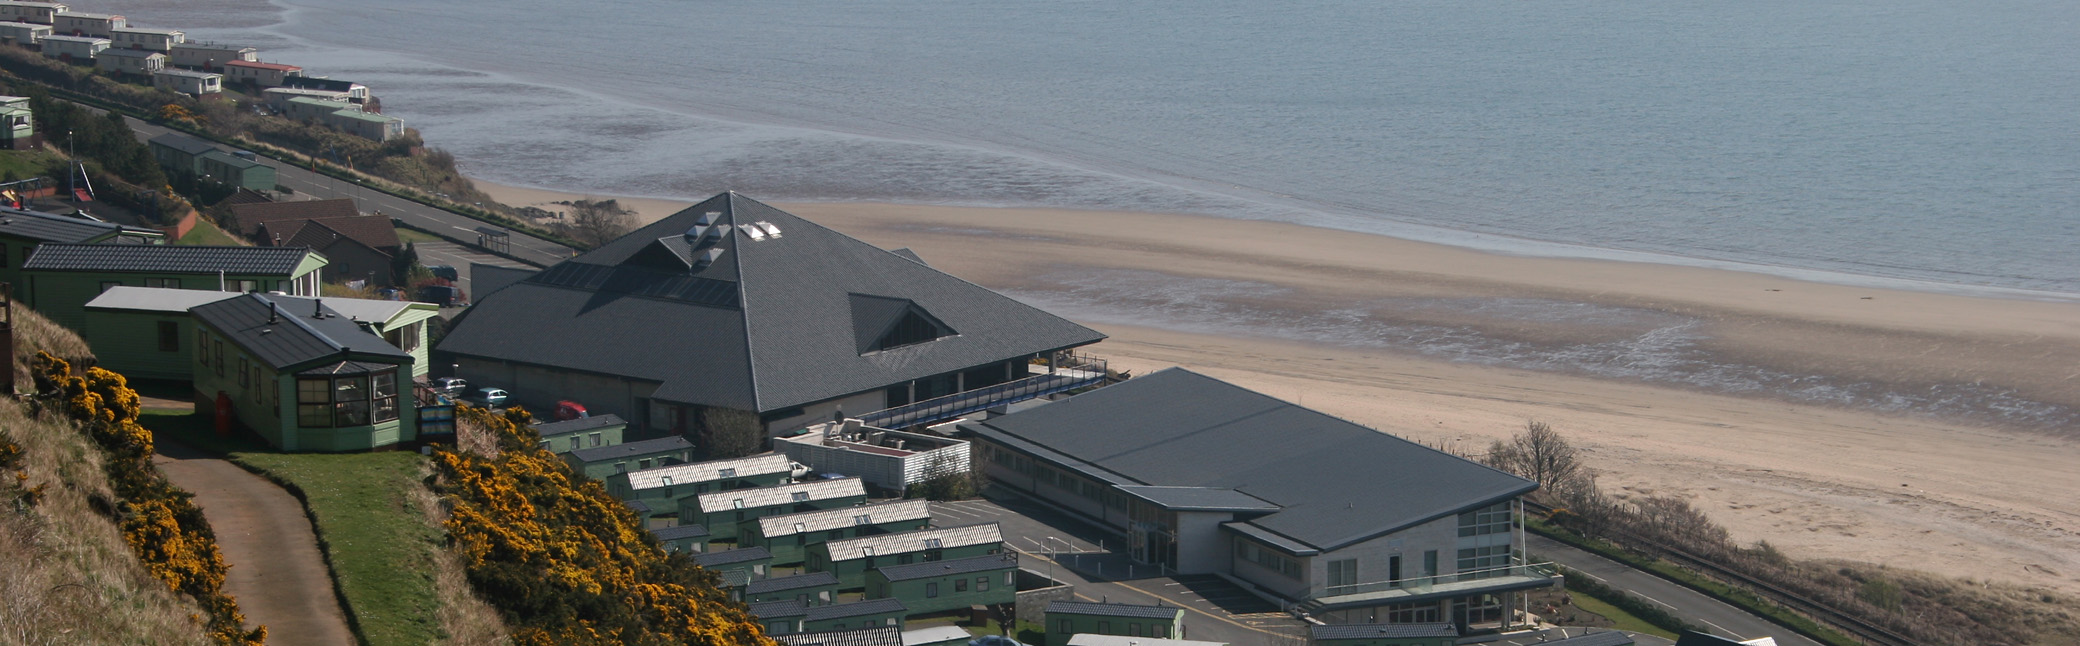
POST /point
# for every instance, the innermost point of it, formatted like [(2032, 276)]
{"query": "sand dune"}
[(1919, 430)]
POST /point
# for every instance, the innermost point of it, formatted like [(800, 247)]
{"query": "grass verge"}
[(1739, 598), (375, 539), (208, 233), (1620, 619)]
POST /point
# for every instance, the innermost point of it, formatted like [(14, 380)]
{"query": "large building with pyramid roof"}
[(734, 304)]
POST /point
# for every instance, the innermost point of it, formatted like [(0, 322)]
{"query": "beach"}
[(1920, 430)]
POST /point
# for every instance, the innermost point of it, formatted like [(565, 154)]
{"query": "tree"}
[(405, 267), (595, 222), (1541, 455), (729, 433)]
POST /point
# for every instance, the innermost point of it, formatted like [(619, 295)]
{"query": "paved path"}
[(276, 572), (442, 223), (1724, 620)]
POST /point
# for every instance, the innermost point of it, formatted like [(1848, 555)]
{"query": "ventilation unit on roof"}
[(693, 234), (708, 218), (707, 258)]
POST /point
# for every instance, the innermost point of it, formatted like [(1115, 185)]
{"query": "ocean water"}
[(1861, 141)]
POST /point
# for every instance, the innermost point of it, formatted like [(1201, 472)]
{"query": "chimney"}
[(317, 308), (272, 307)]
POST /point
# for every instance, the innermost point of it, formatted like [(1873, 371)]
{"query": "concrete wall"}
[(1373, 556), (1035, 592), (1202, 546)]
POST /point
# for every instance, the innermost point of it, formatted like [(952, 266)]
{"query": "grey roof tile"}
[(781, 494), (856, 609), (1114, 609), (51, 227), (878, 636), (710, 471), (633, 449), (1336, 482), (796, 582), (778, 609), (678, 532), (168, 259), (829, 519), (291, 335), (769, 325), (579, 425), (726, 557), (914, 541), (1383, 631), (953, 567)]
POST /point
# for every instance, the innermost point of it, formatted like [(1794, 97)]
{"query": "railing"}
[(1426, 584), (1075, 372)]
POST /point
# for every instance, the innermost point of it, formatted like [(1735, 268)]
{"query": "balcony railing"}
[(1469, 580), (1074, 372)]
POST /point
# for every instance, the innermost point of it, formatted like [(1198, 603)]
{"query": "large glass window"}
[(350, 401), (314, 402), (1483, 562), (1342, 574), (384, 397), (1493, 519)]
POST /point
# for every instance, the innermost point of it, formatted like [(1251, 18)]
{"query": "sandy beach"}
[(1918, 430)]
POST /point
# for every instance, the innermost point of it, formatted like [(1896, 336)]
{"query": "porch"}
[(1509, 578)]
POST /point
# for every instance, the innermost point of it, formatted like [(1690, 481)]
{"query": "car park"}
[(488, 397)]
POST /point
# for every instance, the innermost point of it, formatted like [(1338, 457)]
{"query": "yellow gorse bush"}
[(565, 562), (159, 522)]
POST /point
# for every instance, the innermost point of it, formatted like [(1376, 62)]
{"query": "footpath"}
[(276, 573)]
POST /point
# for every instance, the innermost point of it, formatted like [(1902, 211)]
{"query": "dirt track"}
[(276, 572)]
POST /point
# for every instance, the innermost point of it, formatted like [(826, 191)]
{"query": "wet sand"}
[(1919, 430)]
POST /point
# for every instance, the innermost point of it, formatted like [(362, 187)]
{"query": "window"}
[(201, 347), (217, 350), (982, 584), (931, 543), (1344, 573), (834, 534), (1493, 519), (801, 496), (245, 372), (1430, 563), (903, 559), (110, 284), (1133, 629), (165, 283), (736, 503), (314, 402), (1062, 626), (576, 442), (1483, 562), (619, 467), (931, 590), (1010, 579), (1104, 627), (1263, 557), (1411, 613), (960, 585), (259, 392), (248, 285), (169, 336), (350, 405), (863, 519), (596, 440), (1162, 631), (384, 396), (726, 473), (867, 551)]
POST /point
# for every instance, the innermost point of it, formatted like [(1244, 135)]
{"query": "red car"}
[(567, 410)]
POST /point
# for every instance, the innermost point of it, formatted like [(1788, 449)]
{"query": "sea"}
[(1919, 144)]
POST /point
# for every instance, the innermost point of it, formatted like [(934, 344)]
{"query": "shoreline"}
[(1325, 318)]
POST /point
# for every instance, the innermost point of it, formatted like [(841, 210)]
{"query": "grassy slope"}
[(377, 540), (66, 576), (207, 233), (1620, 619)]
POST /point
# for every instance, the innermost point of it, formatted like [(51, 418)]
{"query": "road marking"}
[(1664, 604)]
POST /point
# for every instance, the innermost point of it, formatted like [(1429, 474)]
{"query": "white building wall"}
[(22, 33), (1374, 555)]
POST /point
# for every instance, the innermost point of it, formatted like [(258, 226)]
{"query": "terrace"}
[(1495, 580), (1071, 372)]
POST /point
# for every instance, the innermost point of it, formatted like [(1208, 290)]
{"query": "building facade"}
[(948, 585), (44, 13), (302, 380), (258, 74), (725, 513), (789, 536), (60, 279), (23, 34), (1066, 619), (97, 25), (158, 40), (662, 485), (851, 559), (189, 82), (210, 56), (73, 49)]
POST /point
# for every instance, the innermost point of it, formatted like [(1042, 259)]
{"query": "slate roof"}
[(778, 609), (262, 66), (373, 231), (914, 541), (75, 39), (1198, 498), (643, 508), (796, 582), (250, 216), (1383, 631), (781, 494), (129, 53), (183, 143), (679, 532), (248, 196), (168, 259), (51, 227), (1336, 482), (743, 321), (632, 449), (953, 567), (876, 636), (1114, 610), (579, 425), (364, 309), (155, 299), (726, 557), (296, 336), (710, 471), (829, 519), (856, 609)]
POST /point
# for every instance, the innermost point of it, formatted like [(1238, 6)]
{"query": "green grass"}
[(207, 233), (415, 235), (1620, 619), (1737, 597), (22, 164), (378, 544)]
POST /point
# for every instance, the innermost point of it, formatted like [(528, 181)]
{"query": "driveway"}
[(276, 572)]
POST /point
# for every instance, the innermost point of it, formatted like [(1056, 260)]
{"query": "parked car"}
[(488, 397), (568, 410), (798, 471), (444, 271), (442, 295), (449, 385)]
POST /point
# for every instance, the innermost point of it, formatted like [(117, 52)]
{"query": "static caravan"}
[(158, 40), (73, 49), (89, 24), (23, 34), (42, 13), (210, 56), (188, 82), (142, 62), (259, 74)]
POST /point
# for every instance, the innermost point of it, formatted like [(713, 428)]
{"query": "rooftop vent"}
[(708, 218), (711, 235), (756, 233), (707, 258), (771, 231)]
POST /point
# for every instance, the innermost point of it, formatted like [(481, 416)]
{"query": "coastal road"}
[(1724, 620), (276, 573), (441, 222)]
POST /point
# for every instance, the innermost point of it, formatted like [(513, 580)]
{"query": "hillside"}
[(66, 571)]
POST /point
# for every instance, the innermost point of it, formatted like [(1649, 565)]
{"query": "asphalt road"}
[(1724, 620), (442, 223)]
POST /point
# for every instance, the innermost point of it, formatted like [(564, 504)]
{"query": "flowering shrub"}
[(159, 522), (564, 562)]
